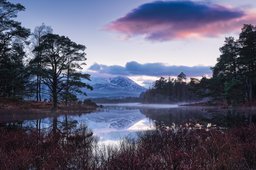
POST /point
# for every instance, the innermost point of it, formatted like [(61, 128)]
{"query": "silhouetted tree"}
[(61, 58), (227, 64), (170, 90), (12, 39), (234, 75), (247, 60), (35, 64)]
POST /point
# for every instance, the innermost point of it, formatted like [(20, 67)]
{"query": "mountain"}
[(114, 87)]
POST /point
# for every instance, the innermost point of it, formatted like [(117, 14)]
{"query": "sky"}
[(144, 39)]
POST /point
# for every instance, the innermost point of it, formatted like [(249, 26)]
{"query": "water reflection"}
[(114, 122), (64, 124), (46, 144), (219, 117)]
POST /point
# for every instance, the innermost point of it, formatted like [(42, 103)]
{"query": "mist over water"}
[(141, 105), (114, 122)]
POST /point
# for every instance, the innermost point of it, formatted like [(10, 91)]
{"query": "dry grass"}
[(162, 149), (187, 149), (16, 110), (21, 149)]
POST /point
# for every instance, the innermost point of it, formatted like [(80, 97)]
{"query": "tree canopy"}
[(53, 62), (12, 39), (61, 58), (233, 80), (170, 90), (234, 75)]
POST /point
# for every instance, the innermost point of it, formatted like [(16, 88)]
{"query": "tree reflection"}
[(181, 116), (64, 143)]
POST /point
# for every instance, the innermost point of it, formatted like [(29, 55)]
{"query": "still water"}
[(116, 121)]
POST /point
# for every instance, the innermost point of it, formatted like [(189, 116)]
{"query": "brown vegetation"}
[(12, 105), (188, 149), (21, 149), (166, 148), (16, 110)]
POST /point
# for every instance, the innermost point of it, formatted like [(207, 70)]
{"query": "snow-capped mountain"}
[(113, 87)]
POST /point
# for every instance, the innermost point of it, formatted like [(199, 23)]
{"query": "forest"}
[(171, 90), (233, 81), (38, 64)]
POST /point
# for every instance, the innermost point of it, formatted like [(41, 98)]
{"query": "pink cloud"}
[(168, 20)]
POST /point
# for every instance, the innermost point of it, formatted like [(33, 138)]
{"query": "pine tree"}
[(61, 60), (12, 39), (35, 64)]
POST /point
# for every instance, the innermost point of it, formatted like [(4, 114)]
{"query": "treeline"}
[(39, 63), (168, 90), (233, 80), (234, 75)]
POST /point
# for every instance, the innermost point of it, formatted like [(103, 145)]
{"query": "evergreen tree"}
[(247, 60), (234, 75), (170, 90), (35, 64), (12, 39), (61, 60), (227, 63), (226, 75)]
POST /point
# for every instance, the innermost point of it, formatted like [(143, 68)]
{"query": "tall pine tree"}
[(61, 60), (12, 39)]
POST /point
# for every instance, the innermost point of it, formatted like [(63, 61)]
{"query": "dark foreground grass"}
[(188, 149), (21, 149), (162, 149)]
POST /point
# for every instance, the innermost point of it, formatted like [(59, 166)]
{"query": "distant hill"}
[(114, 87)]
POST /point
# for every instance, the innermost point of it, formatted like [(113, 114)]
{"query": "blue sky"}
[(166, 34)]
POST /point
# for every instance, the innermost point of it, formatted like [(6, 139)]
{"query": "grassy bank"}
[(16, 110), (13, 105)]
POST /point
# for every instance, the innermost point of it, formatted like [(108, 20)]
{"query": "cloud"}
[(115, 69), (151, 69), (167, 20)]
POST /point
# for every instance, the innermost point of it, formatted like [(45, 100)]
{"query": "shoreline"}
[(220, 105), (201, 104), (17, 110)]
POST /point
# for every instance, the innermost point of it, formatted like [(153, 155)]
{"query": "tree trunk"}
[(67, 87), (54, 125), (248, 89), (54, 101), (54, 94), (39, 90)]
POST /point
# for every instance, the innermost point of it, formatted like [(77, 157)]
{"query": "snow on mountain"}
[(113, 87), (126, 83)]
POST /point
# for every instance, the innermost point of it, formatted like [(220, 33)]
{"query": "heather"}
[(189, 146)]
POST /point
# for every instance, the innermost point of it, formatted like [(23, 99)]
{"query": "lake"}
[(114, 122)]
